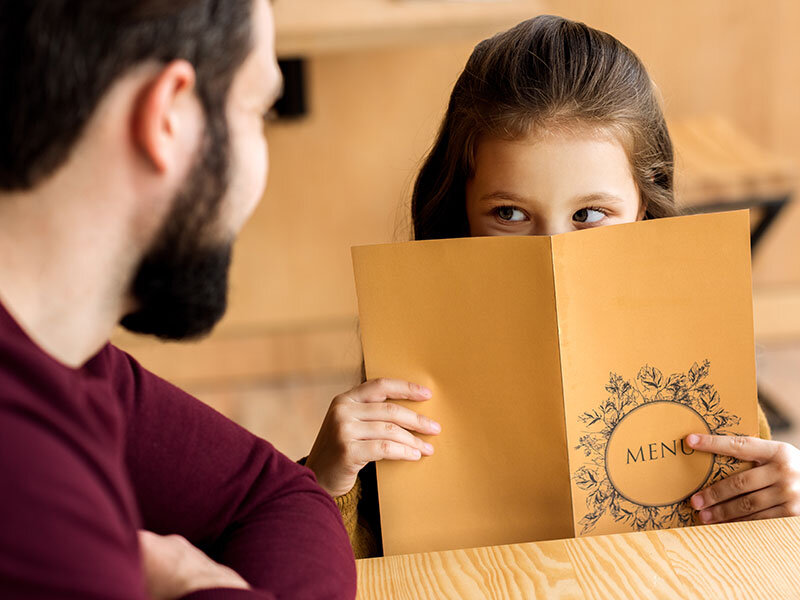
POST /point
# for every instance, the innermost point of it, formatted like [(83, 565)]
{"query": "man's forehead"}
[(264, 43), (264, 23), (259, 76)]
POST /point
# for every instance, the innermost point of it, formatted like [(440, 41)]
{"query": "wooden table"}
[(759, 559)]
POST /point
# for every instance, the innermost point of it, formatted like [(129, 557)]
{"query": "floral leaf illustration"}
[(643, 517), (650, 378), (611, 415), (590, 442), (612, 387), (709, 399), (586, 478), (590, 418), (675, 388), (698, 373), (697, 393), (618, 509), (588, 521)]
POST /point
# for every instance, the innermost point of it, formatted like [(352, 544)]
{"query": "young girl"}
[(551, 127)]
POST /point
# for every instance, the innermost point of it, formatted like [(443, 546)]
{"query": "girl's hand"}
[(770, 489), (362, 427)]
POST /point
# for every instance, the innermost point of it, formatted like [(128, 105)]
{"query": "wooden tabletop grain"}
[(756, 559)]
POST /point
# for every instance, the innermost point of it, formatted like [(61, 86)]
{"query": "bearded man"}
[(131, 153)]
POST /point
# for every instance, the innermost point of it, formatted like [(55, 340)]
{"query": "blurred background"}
[(367, 84)]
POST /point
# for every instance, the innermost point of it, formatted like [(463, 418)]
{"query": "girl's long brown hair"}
[(545, 73)]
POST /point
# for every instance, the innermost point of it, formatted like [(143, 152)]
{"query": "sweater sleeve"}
[(356, 507), (197, 474), (359, 530)]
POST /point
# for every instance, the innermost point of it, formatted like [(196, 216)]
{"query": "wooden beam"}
[(309, 27), (255, 357)]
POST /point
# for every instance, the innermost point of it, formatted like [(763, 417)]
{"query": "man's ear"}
[(164, 113)]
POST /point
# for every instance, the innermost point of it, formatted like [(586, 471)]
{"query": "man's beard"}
[(181, 285)]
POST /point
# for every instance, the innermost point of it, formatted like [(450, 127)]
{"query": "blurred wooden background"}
[(379, 75)]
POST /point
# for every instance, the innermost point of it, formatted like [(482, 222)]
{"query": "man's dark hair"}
[(59, 57)]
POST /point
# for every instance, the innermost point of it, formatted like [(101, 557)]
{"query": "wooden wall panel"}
[(339, 178), (778, 262)]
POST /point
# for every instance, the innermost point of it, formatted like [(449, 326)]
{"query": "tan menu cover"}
[(566, 370)]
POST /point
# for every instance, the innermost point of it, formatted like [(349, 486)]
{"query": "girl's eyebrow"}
[(599, 197), (593, 197), (500, 195)]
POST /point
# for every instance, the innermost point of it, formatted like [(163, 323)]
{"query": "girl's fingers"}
[(378, 430), (378, 390), (399, 415), (742, 447), (743, 506), (775, 512), (736, 485), (375, 450)]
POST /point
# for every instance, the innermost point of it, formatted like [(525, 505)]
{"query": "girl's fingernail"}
[(697, 502), (428, 448), (425, 392), (705, 516), (416, 454), (435, 427), (692, 438)]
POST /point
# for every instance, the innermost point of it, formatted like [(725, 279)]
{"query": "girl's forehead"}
[(544, 169), (538, 154), (567, 130)]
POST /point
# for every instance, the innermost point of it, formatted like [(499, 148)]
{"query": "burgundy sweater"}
[(88, 456)]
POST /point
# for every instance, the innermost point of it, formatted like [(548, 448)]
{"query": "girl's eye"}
[(510, 214), (588, 215)]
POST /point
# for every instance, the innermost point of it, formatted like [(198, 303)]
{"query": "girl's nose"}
[(551, 227)]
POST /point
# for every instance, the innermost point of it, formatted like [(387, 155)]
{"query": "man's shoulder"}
[(28, 376), (134, 384), (58, 429), (76, 407)]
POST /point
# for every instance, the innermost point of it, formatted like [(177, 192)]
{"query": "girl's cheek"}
[(483, 225)]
